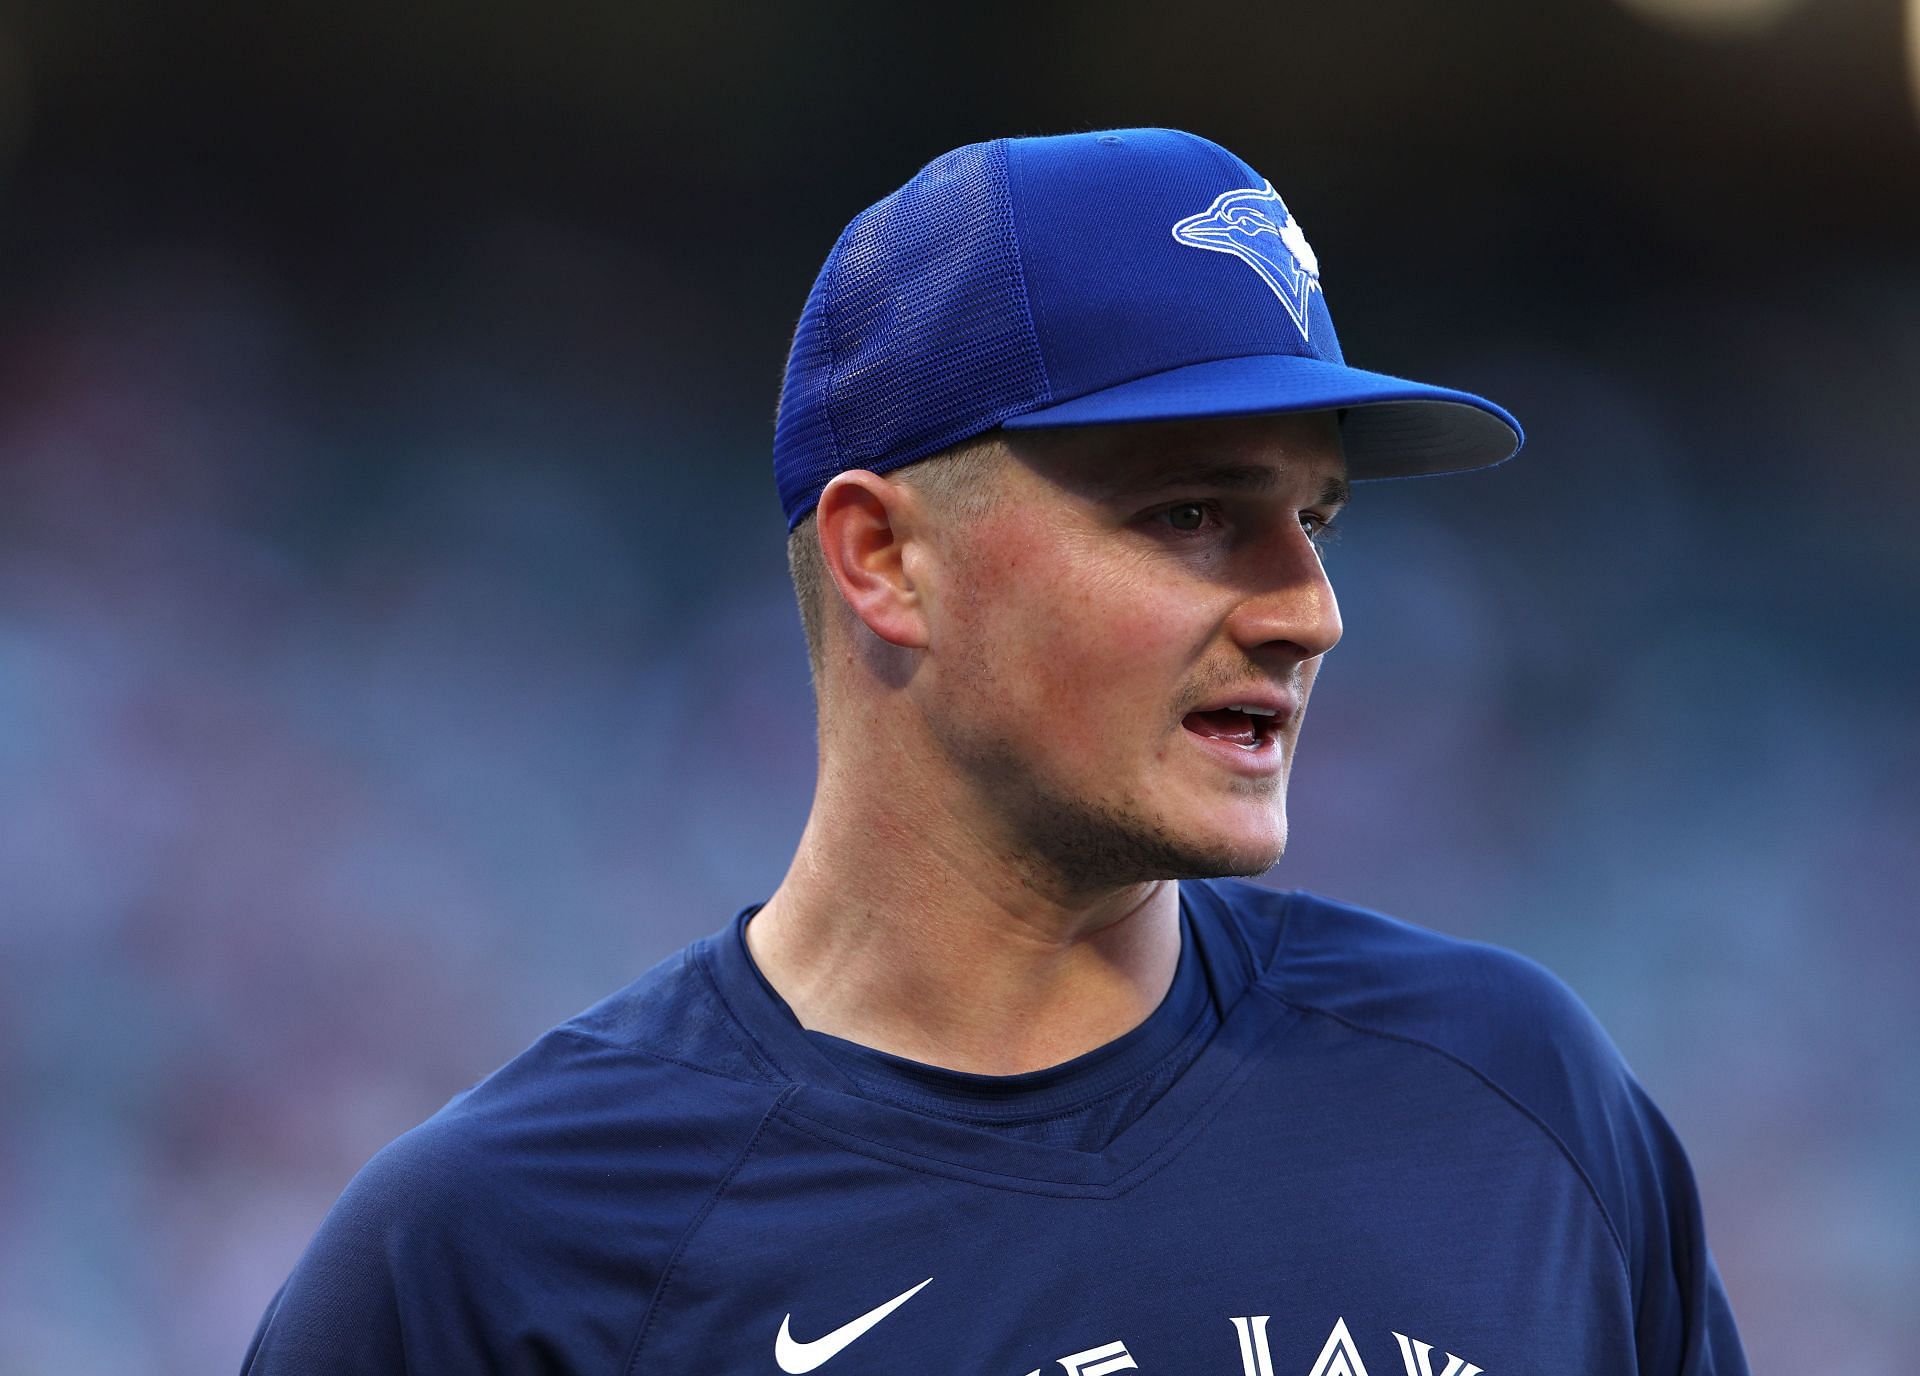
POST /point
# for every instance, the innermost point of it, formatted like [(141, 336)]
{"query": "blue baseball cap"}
[(1087, 279)]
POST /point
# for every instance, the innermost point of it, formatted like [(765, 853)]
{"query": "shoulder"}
[(657, 1062), (1520, 1029), (1505, 1015), (1506, 1019), (573, 1168)]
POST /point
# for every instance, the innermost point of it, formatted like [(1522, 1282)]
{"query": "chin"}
[(1239, 858), (1244, 836), (1097, 844), (1215, 852)]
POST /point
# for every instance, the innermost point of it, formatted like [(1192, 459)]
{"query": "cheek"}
[(1080, 646)]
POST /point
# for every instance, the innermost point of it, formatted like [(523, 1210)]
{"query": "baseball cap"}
[(1082, 279)]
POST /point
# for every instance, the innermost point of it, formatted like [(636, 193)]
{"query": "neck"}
[(914, 935)]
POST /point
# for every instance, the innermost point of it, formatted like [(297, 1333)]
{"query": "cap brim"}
[(1393, 428)]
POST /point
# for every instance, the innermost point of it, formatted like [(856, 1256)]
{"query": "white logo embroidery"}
[(797, 1357), (1255, 1357), (1255, 226), (1096, 1361), (1422, 1365), (1339, 1357)]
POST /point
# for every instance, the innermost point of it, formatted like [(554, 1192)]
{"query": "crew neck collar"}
[(1002, 1099), (823, 1100)]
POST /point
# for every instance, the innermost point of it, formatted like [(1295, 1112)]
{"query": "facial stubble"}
[(1066, 840)]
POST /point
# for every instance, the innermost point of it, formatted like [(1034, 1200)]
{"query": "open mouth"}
[(1250, 729)]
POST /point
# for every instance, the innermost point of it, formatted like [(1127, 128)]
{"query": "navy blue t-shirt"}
[(1341, 1145)]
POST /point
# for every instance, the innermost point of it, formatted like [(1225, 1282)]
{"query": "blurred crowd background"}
[(396, 652)]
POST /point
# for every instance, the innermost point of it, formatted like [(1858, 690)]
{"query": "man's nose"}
[(1289, 599)]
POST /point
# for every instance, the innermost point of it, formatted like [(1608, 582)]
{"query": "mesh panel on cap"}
[(927, 316), (804, 451)]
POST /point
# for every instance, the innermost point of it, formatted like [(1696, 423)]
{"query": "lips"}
[(1247, 717), (1247, 730)]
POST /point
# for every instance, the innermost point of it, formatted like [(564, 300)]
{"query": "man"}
[(1007, 1076)]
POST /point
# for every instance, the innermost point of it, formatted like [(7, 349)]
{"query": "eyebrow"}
[(1227, 477)]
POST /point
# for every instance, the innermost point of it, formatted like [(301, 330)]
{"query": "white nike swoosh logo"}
[(796, 1357)]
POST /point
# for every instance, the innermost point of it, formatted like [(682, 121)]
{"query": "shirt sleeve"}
[(1683, 1319), (383, 1285), (1553, 1057), (524, 1227), (1520, 1027)]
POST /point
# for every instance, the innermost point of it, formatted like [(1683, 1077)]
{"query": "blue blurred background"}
[(396, 653)]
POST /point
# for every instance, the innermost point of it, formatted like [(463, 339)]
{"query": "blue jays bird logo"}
[(1255, 226)]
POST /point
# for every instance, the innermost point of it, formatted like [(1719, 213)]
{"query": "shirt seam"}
[(889, 1154), (1198, 1031), (909, 1158), (737, 1026), (587, 1038), (1566, 1152), (686, 1236)]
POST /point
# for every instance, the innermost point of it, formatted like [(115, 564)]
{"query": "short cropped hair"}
[(961, 482)]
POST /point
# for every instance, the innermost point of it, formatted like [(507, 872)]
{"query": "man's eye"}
[(1187, 517), (1319, 530)]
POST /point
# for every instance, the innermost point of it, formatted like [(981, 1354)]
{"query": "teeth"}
[(1253, 711)]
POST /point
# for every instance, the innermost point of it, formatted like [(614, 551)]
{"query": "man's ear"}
[(869, 545)]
